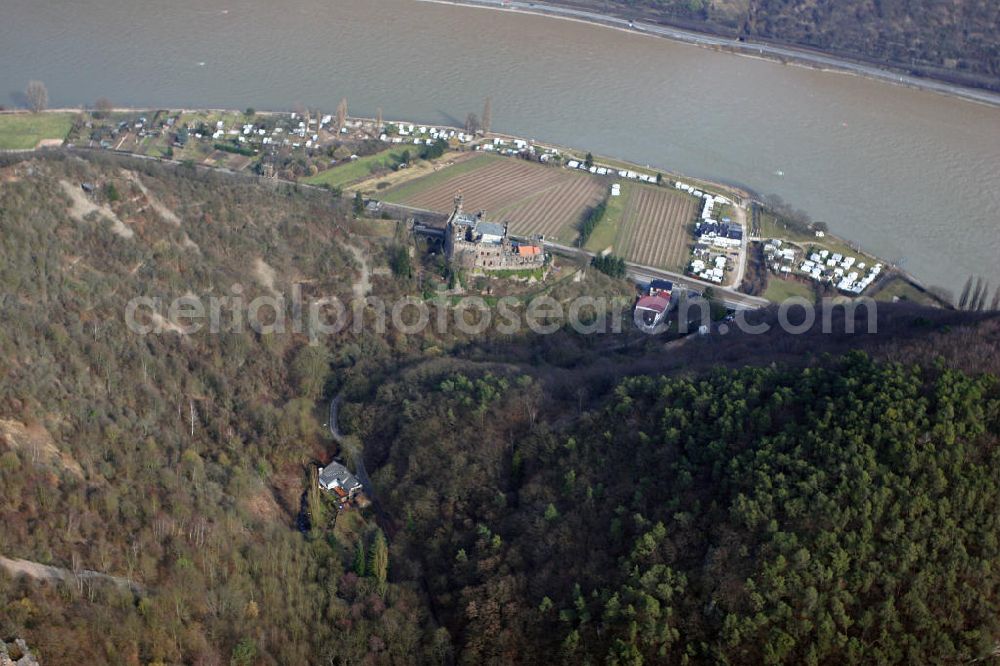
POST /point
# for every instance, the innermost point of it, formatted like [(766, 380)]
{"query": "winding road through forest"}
[(354, 450)]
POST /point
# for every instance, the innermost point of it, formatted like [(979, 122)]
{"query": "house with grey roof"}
[(336, 478)]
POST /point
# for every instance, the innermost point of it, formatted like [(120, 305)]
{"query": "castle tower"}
[(450, 229)]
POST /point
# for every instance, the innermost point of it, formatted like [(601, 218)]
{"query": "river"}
[(913, 176)]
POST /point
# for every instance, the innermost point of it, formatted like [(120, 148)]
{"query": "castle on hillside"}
[(473, 243)]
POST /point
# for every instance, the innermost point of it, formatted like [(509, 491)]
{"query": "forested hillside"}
[(842, 513), (538, 499), (176, 464), (957, 41)]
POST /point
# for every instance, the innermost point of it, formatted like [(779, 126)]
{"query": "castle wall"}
[(483, 256)]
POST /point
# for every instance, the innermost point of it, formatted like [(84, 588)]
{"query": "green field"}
[(900, 288), (605, 234), (771, 228), (20, 131), (647, 224), (230, 118), (779, 290), (351, 172)]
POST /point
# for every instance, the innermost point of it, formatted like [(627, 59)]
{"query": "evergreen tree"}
[(317, 512), (359, 559), (378, 562)]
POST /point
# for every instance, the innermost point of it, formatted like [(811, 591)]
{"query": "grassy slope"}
[(20, 131), (350, 172), (779, 290), (606, 234), (897, 287), (771, 228)]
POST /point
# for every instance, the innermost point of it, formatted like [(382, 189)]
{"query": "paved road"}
[(741, 265), (772, 51), (732, 299), (357, 457)]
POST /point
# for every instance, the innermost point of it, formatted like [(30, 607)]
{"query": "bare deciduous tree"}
[(38, 96), (981, 301), (471, 123), (342, 114), (976, 294), (103, 106), (192, 414), (966, 290), (487, 114)]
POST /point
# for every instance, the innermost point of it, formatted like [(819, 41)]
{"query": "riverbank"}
[(788, 55), (246, 141)]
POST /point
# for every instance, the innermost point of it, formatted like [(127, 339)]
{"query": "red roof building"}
[(657, 304), (650, 311)]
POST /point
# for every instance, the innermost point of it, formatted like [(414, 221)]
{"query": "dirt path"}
[(82, 206), (363, 285), (158, 206), (265, 275), (155, 203), (40, 571)]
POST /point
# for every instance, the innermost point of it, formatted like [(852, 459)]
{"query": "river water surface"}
[(913, 176)]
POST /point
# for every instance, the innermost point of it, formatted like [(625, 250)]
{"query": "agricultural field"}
[(557, 211), (405, 192), (656, 227), (532, 198), (652, 229)]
